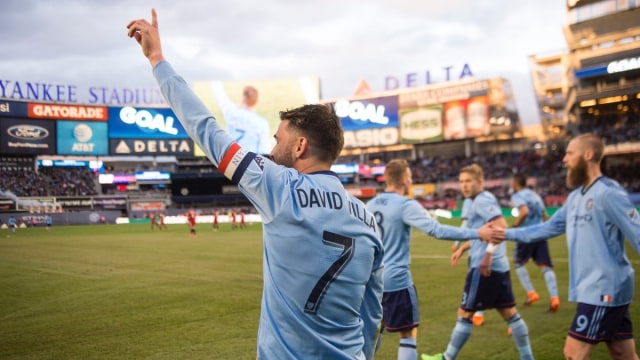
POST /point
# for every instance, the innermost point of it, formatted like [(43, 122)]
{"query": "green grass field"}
[(124, 292)]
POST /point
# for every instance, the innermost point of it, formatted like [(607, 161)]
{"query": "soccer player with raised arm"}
[(488, 283), (322, 262), (597, 216), (396, 214), (531, 210)]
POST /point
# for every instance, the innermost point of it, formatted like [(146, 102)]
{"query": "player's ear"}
[(302, 145), (588, 155)]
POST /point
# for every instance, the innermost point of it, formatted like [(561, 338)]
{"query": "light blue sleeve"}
[(555, 226), (371, 311), (621, 212), (255, 175), (201, 126), (415, 215), (517, 201)]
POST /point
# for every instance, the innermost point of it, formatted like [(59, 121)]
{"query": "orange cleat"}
[(555, 304), (532, 297), (478, 320)]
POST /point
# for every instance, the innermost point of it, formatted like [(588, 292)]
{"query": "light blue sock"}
[(520, 336), (523, 276), (459, 336), (407, 349), (550, 279)]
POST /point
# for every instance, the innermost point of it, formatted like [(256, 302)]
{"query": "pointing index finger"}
[(154, 18)]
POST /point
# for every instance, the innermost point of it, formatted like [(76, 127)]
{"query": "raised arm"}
[(148, 36)]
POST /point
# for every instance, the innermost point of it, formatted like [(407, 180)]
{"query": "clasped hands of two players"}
[(491, 234)]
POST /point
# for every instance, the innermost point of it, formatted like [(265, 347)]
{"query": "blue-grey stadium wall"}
[(66, 218)]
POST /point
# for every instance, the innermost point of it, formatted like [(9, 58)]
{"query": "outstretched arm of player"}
[(415, 215), (555, 226)]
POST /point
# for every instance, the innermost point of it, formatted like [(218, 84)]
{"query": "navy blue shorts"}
[(400, 310), (538, 251), (492, 292), (593, 324)]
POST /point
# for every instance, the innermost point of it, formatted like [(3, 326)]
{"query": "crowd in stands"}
[(612, 130), (545, 167), (47, 181), (547, 170)]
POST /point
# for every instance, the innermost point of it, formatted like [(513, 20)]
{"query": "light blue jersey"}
[(396, 215), (464, 212), (322, 263), (531, 200), (596, 221), (484, 208)]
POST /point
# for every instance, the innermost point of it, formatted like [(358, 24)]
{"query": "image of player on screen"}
[(248, 128)]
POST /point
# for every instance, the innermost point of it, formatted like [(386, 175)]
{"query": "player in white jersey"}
[(322, 263), (597, 216), (488, 283), (396, 215), (531, 210)]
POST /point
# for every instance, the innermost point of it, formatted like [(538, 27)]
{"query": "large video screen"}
[(249, 110)]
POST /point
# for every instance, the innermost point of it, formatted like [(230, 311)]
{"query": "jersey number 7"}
[(331, 239)]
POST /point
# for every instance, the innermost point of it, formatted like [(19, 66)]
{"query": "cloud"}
[(82, 42)]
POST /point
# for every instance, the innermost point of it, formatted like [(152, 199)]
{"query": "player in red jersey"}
[(191, 220), (154, 220), (216, 226), (162, 224)]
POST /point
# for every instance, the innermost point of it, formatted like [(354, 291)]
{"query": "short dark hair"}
[(322, 128), (520, 179)]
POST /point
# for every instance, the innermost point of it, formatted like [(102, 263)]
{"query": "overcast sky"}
[(84, 42)]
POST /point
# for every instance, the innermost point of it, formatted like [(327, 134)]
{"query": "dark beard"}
[(286, 159), (578, 175)]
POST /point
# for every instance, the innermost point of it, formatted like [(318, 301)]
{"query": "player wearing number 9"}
[(322, 264), (597, 217)]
